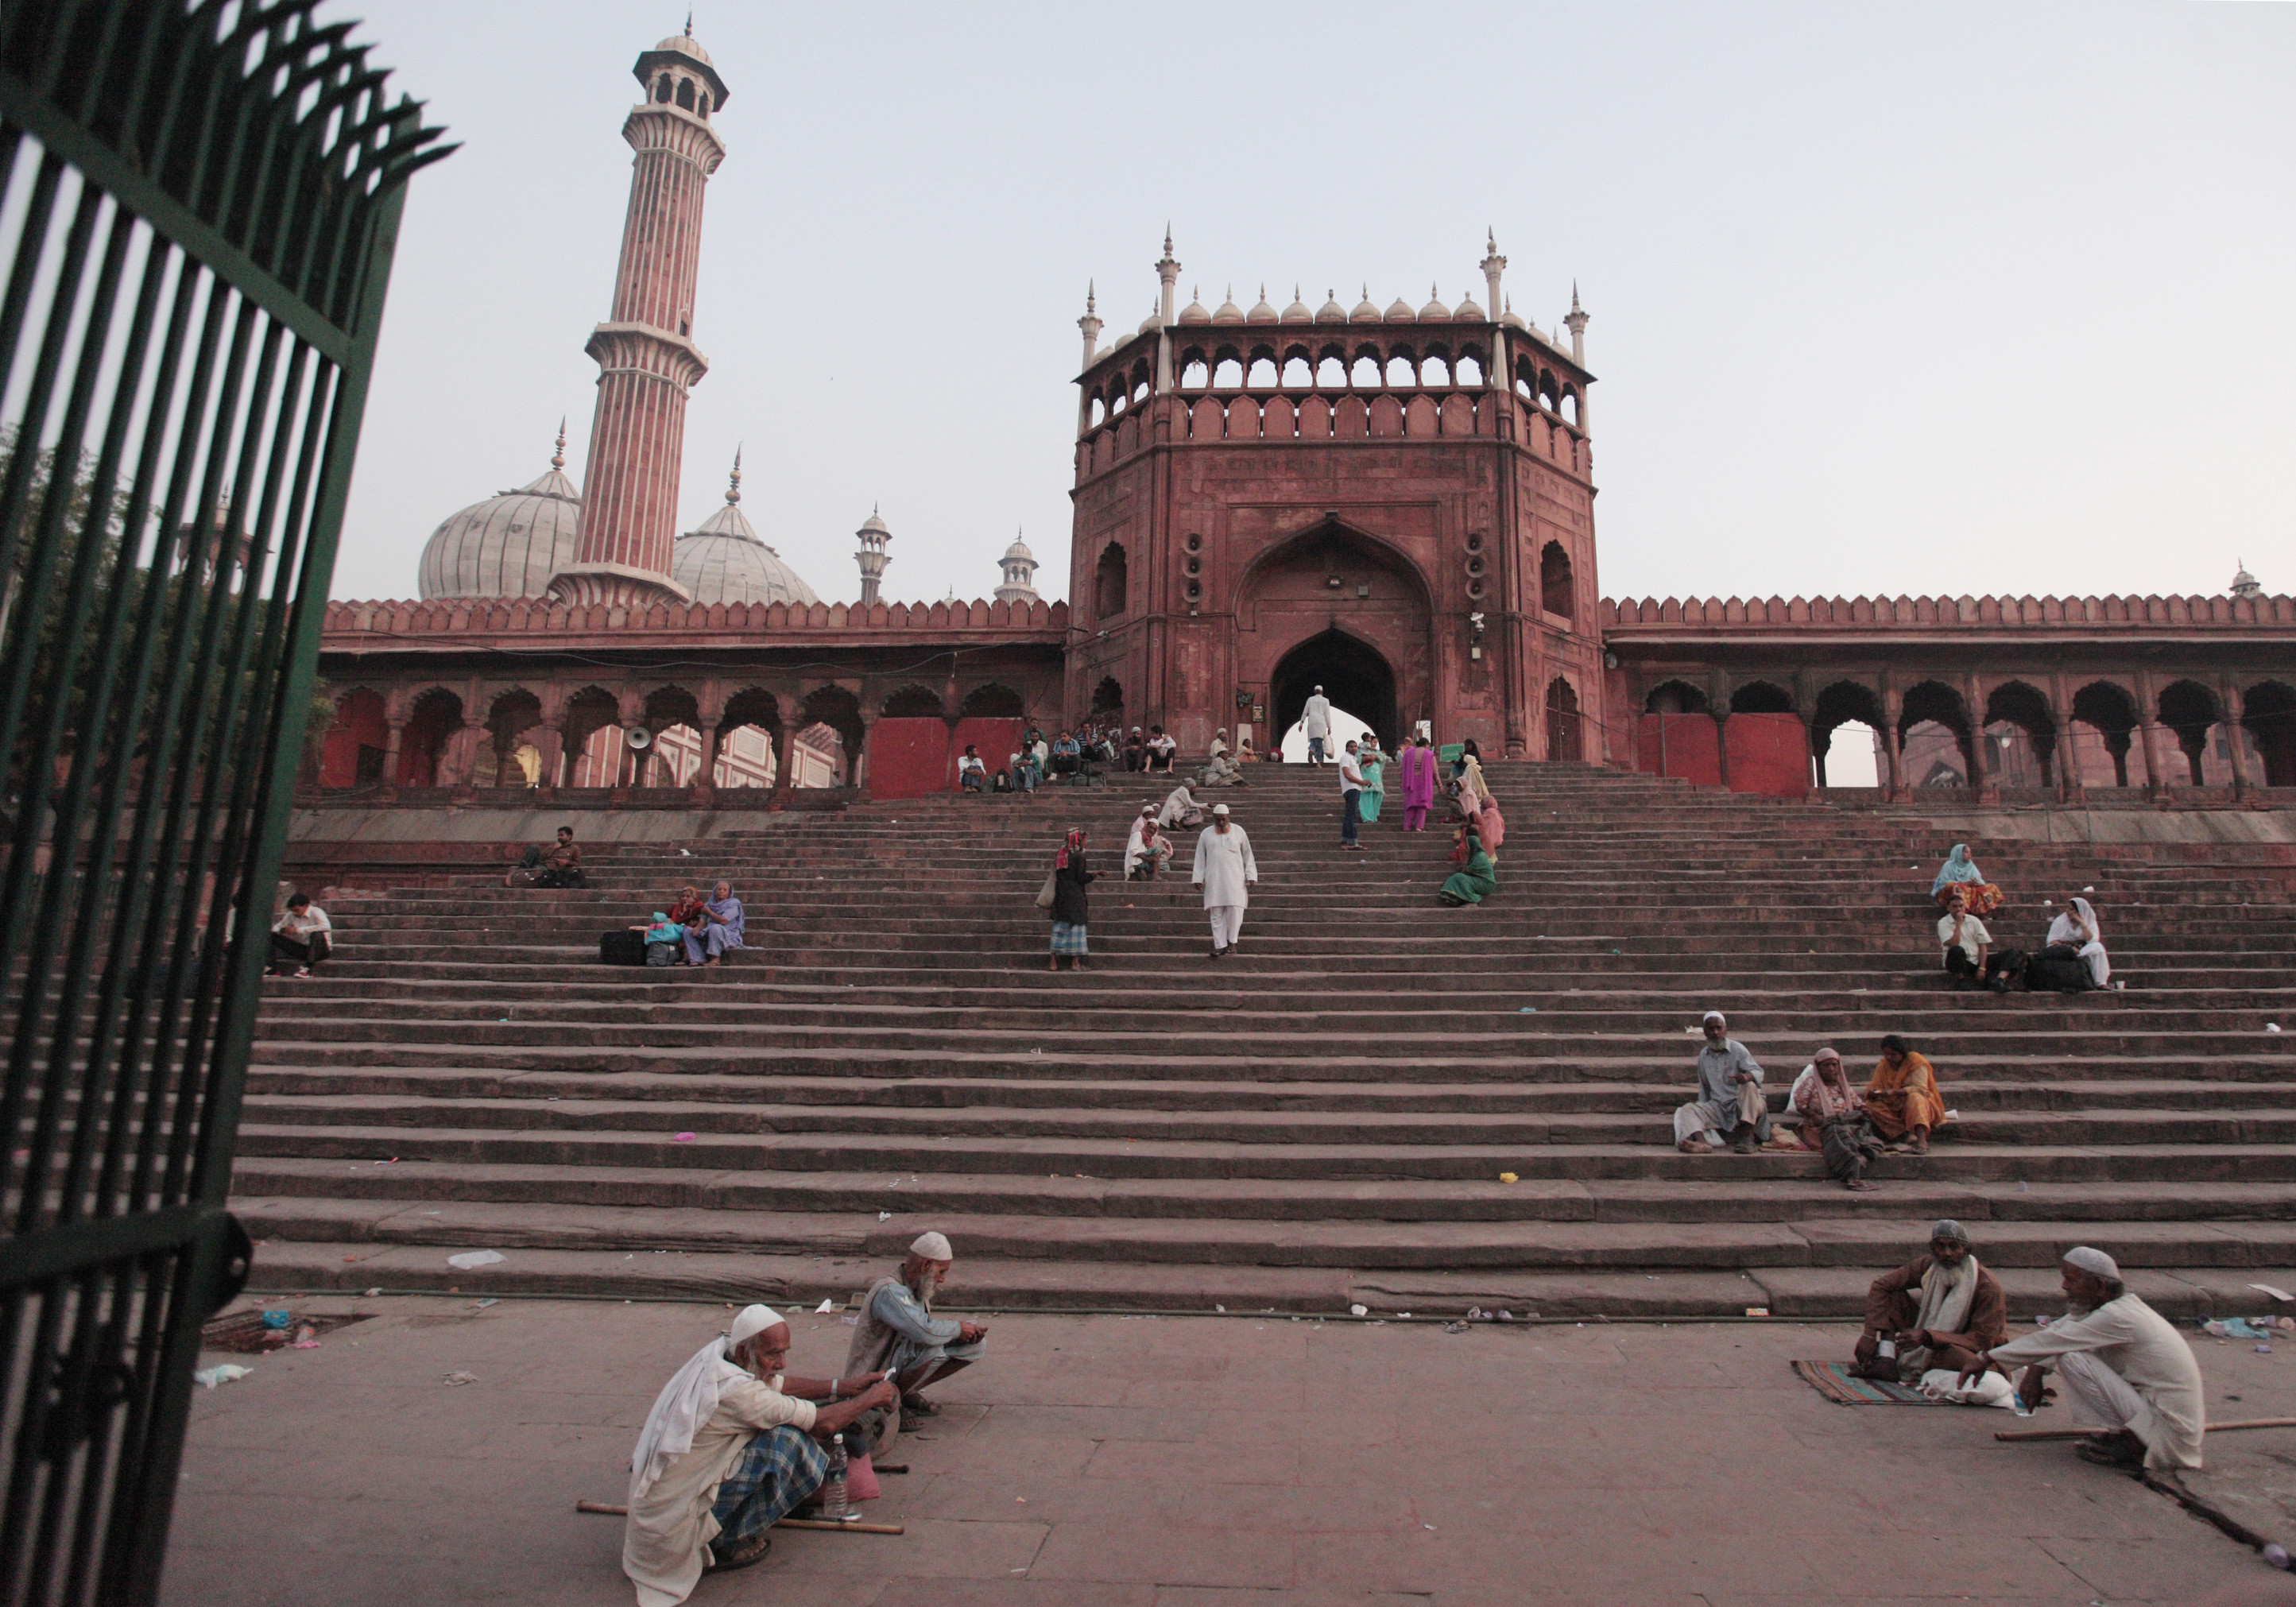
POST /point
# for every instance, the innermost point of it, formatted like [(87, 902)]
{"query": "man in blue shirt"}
[(898, 1335)]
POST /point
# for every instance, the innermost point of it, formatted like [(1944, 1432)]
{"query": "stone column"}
[(2147, 730), (857, 764), (395, 730), (1984, 779), (784, 762), (1893, 708), (2062, 759), (459, 757), (2229, 697)]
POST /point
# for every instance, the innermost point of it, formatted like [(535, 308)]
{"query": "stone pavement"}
[(1146, 1462)]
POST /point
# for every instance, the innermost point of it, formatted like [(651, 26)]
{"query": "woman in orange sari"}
[(1902, 1099)]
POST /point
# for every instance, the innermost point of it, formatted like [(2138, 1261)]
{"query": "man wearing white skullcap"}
[(898, 1335), (729, 1448), (1226, 870), (1731, 1107), (2131, 1375)]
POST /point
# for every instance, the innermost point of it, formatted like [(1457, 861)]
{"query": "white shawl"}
[(2062, 929), (683, 1406)]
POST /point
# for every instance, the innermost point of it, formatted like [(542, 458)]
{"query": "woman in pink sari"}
[(1417, 764)]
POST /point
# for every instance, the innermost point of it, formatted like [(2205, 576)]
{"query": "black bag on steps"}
[(622, 948)]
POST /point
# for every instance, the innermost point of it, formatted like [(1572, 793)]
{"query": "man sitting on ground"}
[(299, 937), (971, 774), (898, 1335), (1969, 957), (731, 1446), (1937, 1310), (1161, 746), (2131, 1375), (559, 865), (1730, 1106)]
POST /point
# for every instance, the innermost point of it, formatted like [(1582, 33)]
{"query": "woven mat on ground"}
[(1832, 1380)]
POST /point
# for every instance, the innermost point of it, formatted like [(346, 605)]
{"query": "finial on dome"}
[(734, 488), (1574, 295), (1088, 295), (689, 22), (1491, 238), (1168, 237), (558, 458)]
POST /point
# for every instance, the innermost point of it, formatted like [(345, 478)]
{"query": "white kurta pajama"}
[(2125, 1367), (670, 1520), (1224, 869)]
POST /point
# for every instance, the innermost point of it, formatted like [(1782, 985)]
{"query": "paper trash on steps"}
[(825, 1306), (2277, 1294), (475, 1257), (223, 1375)]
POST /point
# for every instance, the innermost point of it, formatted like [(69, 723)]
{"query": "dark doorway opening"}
[(1351, 673)]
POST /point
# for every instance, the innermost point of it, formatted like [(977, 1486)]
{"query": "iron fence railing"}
[(199, 200)]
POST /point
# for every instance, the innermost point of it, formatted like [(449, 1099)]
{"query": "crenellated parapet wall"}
[(401, 625), (2088, 615)]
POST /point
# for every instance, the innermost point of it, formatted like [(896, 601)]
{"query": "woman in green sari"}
[(1371, 761), (1469, 886)]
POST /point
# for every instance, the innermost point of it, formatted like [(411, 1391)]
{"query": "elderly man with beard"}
[(899, 1336), (1937, 1310), (730, 1447), (2132, 1377)]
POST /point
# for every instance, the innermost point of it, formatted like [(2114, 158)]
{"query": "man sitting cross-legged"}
[(2132, 1377), (1730, 1107), (731, 1446), (899, 1336), (1937, 1310)]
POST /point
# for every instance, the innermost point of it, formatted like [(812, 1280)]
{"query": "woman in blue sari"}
[(1372, 762), (716, 930), (1960, 874)]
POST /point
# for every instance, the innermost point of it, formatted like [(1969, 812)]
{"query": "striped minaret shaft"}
[(647, 360)]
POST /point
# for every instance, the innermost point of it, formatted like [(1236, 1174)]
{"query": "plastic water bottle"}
[(835, 1504)]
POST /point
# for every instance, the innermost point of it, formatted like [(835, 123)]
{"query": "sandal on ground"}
[(729, 1558), (2112, 1450)]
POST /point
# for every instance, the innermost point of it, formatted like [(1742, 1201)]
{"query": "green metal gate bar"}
[(199, 200)]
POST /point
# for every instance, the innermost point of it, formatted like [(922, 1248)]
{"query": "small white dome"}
[(1467, 311), (1229, 312), (1149, 324), (1262, 312), (1402, 313), (1513, 319), (507, 545), (1434, 312), (721, 560), (1366, 310), (873, 525), (1194, 313), (686, 46), (1018, 551), (1331, 312), (1298, 313)]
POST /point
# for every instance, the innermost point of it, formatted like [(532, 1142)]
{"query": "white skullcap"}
[(750, 1322), (1219, 808), (2094, 1262), (1713, 1016), (933, 1247)]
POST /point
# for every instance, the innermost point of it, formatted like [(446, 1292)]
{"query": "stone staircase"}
[(1322, 1118)]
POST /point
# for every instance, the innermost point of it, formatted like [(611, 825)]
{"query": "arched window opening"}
[(1140, 387), (2189, 708), (1845, 736), (666, 760), (1554, 587), (1467, 373), (1108, 582), (2021, 736), (438, 715), (1331, 374), (1262, 375), (749, 741), (1675, 697), (1402, 374), (1571, 408), (686, 94), (1194, 375), (1099, 412), (1564, 740), (359, 741), (1434, 371), (1297, 374), (1761, 697), (992, 702), (703, 105), (1228, 375), (828, 738), (2267, 713), (914, 703), (1116, 403), (1363, 373), (662, 89), (1934, 736), (2104, 725), (1107, 697)]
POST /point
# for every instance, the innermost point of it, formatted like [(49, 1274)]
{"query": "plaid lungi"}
[(1067, 938), (774, 1471)]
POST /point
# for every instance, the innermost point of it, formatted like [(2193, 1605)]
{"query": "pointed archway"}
[(1352, 673)]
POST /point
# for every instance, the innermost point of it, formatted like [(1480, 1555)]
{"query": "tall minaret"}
[(647, 360), (1020, 567), (872, 557)]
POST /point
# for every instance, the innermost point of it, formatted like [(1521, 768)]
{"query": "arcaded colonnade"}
[(2165, 692), (518, 693)]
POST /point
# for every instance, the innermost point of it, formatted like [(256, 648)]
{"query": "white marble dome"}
[(721, 560), (507, 545)]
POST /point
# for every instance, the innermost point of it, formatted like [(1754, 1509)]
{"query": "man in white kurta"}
[(1316, 721), (2131, 1376), (1224, 869)]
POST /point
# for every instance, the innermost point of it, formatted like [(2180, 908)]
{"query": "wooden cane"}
[(608, 1510), (2214, 1428)]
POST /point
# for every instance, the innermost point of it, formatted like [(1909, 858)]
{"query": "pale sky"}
[(1887, 299)]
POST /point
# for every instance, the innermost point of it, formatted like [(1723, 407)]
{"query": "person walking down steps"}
[(1224, 869), (1071, 903)]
